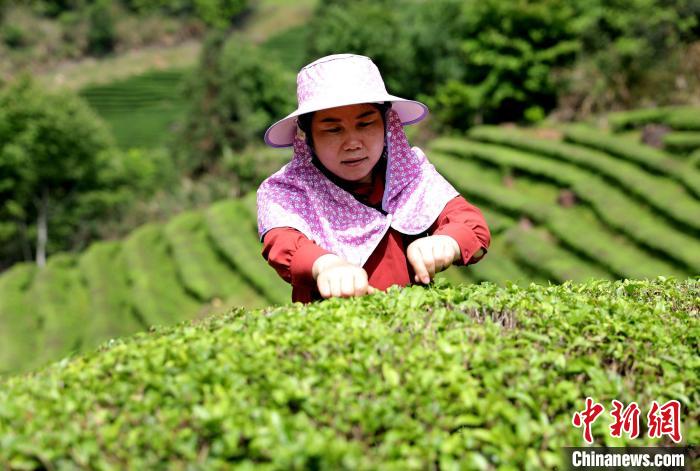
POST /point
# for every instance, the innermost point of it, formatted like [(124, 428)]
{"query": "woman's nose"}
[(352, 141)]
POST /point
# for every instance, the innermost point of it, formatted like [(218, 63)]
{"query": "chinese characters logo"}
[(662, 419)]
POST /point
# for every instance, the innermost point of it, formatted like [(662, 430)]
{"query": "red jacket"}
[(292, 254)]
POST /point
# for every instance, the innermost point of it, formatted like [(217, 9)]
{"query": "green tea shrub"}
[(669, 197), (613, 206), (577, 229), (652, 159), (471, 376)]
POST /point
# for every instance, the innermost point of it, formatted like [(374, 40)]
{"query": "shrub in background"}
[(101, 35), (492, 61), (508, 51), (632, 52), (217, 13)]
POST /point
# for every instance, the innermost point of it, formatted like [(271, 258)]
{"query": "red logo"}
[(665, 420), (625, 420), (587, 417), (662, 420)]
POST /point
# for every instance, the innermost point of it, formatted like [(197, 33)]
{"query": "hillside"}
[(161, 274), (574, 201), (414, 378)]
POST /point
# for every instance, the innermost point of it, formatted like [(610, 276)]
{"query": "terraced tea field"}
[(198, 262), (140, 110), (571, 203)]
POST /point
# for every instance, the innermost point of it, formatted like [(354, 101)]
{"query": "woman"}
[(357, 209)]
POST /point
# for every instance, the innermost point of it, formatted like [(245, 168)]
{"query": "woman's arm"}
[(309, 268), (292, 255), (465, 223)]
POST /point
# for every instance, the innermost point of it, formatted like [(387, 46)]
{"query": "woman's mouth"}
[(354, 163)]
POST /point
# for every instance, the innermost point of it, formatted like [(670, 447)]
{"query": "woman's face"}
[(349, 140)]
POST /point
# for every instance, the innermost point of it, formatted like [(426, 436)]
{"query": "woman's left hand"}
[(432, 254)]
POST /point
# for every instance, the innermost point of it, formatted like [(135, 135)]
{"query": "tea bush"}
[(474, 376)]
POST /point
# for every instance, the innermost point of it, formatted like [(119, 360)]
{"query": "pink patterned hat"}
[(339, 80)]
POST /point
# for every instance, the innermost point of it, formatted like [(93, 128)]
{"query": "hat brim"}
[(281, 134)]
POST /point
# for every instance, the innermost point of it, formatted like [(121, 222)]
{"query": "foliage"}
[(403, 379), (371, 28), (101, 36), (53, 145), (141, 110), (473, 61), (202, 270), (53, 150), (627, 47), (670, 198), (613, 206), (103, 270), (654, 160), (494, 61), (242, 249), (508, 52), (217, 13), (62, 308), (157, 294), (537, 249), (577, 229), (19, 341), (38, 36), (235, 94)]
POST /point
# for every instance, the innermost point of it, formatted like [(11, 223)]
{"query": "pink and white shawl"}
[(299, 195)]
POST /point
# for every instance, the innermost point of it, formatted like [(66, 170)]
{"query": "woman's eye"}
[(368, 123), (333, 130)]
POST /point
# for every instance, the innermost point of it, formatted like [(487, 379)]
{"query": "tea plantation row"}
[(140, 109), (161, 274)]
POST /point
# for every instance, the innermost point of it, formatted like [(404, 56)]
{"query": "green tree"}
[(631, 50), (54, 157), (508, 52), (236, 93)]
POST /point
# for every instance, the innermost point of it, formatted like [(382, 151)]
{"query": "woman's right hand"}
[(336, 277)]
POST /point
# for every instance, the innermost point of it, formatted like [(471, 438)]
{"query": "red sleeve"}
[(465, 223), (291, 254)]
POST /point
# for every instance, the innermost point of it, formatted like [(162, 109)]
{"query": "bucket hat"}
[(339, 80)]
